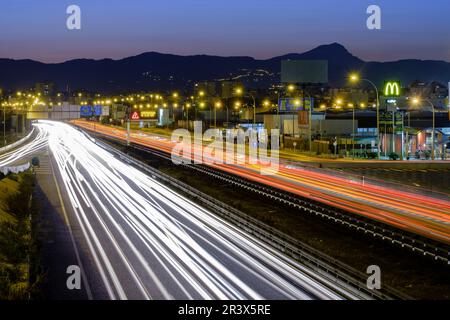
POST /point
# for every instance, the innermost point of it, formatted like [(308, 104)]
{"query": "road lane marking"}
[(66, 218)]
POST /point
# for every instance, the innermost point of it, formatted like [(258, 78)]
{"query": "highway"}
[(416, 213), (25, 152), (145, 241)]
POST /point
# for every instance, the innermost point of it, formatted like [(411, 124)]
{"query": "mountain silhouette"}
[(157, 71)]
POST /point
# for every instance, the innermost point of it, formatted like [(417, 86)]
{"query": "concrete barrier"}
[(16, 144)]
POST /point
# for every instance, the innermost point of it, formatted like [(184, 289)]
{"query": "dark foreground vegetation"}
[(19, 267)]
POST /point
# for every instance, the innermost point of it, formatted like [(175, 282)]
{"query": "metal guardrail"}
[(326, 266), (415, 243), (17, 143)]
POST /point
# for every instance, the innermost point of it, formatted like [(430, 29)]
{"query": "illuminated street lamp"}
[(416, 101), (187, 106), (355, 78), (240, 92), (351, 105), (174, 105), (4, 120), (217, 105)]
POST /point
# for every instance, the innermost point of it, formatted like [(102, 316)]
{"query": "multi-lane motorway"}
[(23, 153), (144, 241), (424, 215)]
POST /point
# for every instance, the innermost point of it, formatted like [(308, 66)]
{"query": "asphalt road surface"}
[(137, 239), (411, 211)]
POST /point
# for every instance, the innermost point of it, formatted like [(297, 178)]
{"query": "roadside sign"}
[(135, 116)]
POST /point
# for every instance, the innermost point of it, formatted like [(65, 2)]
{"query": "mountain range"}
[(159, 71)]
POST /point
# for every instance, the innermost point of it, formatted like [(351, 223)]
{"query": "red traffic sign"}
[(135, 116)]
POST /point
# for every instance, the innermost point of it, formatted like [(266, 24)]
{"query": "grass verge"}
[(18, 252)]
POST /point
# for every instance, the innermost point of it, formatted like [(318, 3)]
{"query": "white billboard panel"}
[(65, 115), (37, 115), (75, 115), (105, 111)]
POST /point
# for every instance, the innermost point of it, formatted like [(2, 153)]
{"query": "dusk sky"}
[(36, 29)]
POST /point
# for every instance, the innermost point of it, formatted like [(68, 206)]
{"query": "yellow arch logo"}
[(392, 89)]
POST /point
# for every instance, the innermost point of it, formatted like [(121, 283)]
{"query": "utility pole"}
[(4, 125), (393, 131), (187, 117), (128, 126), (432, 133), (254, 110), (354, 135)]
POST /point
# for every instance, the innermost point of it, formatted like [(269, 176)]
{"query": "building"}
[(344, 97), (227, 88), (209, 88), (45, 89), (118, 111)]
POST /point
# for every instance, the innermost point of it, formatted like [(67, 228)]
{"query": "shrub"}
[(371, 155), (393, 156), (16, 243)]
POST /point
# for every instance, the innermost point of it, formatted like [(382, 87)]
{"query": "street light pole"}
[(310, 118), (227, 117), (128, 126), (4, 126), (378, 116), (254, 110), (416, 101), (187, 117), (354, 135), (355, 78), (433, 130), (310, 122), (433, 134)]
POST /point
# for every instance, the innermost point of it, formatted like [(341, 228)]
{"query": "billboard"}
[(144, 115), (150, 114), (291, 104), (304, 71), (391, 121), (303, 118), (90, 111), (105, 111)]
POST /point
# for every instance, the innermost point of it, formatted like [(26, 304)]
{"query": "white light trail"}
[(149, 242), (38, 143)]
